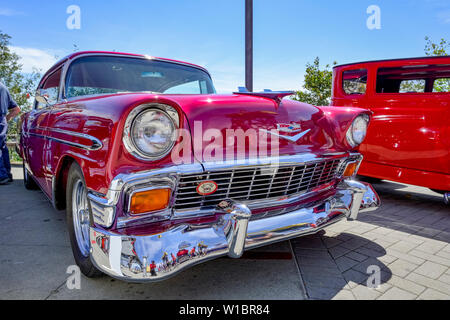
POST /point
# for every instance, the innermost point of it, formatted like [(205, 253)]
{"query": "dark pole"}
[(249, 45)]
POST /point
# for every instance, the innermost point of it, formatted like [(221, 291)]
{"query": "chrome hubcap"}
[(80, 213)]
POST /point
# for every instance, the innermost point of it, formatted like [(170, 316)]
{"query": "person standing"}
[(8, 110)]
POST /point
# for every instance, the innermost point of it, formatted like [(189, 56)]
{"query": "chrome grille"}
[(254, 183)]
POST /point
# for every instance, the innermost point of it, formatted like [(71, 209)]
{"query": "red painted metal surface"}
[(409, 136)]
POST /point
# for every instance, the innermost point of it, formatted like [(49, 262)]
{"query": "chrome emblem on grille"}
[(289, 128), (206, 188)]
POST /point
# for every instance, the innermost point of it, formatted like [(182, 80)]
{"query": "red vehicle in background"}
[(409, 137)]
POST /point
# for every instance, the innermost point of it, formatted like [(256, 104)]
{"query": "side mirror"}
[(41, 96)]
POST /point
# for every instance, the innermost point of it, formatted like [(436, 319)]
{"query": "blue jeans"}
[(5, 165)]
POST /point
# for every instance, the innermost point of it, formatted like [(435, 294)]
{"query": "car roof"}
[(99, 53), (392, 60)]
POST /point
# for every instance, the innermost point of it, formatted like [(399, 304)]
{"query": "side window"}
[(354, 81), (51, 89), (414, 79), (412, 86), (441, 85)]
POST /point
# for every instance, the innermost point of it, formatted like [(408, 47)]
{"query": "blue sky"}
[(287, 33)]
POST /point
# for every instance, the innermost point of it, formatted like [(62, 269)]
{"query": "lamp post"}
[(249, 45)]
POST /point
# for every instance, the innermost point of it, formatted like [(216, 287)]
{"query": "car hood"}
[(323, 133)]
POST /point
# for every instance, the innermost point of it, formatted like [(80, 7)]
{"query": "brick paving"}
[(407, 239)]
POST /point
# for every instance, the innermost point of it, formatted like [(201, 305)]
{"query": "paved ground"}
[(408, 238), (35, 253)]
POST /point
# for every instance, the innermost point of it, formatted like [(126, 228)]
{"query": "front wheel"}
[(79, 221), (28, 181)]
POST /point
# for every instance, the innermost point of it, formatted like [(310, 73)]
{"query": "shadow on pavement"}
[(326, 271), (410, 209)]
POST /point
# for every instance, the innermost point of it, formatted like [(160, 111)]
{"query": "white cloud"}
[(444, 16), (32, 58), (9, 12)]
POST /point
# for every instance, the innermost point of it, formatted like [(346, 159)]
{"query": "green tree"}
[(436, 49), (18, 83), (440, 85), (317, 84)]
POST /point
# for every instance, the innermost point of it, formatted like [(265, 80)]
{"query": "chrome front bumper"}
[(159, 256)]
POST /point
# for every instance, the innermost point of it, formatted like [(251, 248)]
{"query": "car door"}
[(37, 124), (441, 93), (405, 129)]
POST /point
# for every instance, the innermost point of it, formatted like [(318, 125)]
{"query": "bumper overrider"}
[(159, 256)]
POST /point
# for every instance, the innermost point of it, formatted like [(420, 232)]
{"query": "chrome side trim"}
[(96, 143)]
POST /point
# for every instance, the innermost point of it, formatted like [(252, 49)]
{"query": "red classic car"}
[(146, 159), (409, 136)]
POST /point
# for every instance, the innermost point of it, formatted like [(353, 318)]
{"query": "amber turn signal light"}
[(150, 200), (351, 168)]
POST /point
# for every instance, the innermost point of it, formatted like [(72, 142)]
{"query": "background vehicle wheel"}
[(439, 191), (368, 179), (28, 181), (79, 221), (446, 195)]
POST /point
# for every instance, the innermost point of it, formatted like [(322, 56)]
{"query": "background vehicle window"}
[(441, 85), (354, 81), (414, 79), (193, 87), (105, 75), (51, 89), (417, 85)]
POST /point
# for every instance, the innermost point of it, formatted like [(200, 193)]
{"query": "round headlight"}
[(357, 131), (151, 134)]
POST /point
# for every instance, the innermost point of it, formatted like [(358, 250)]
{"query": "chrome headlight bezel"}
[(352, 140), (128, 140)]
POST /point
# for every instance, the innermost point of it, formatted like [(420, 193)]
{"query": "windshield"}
[(105, 75)]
